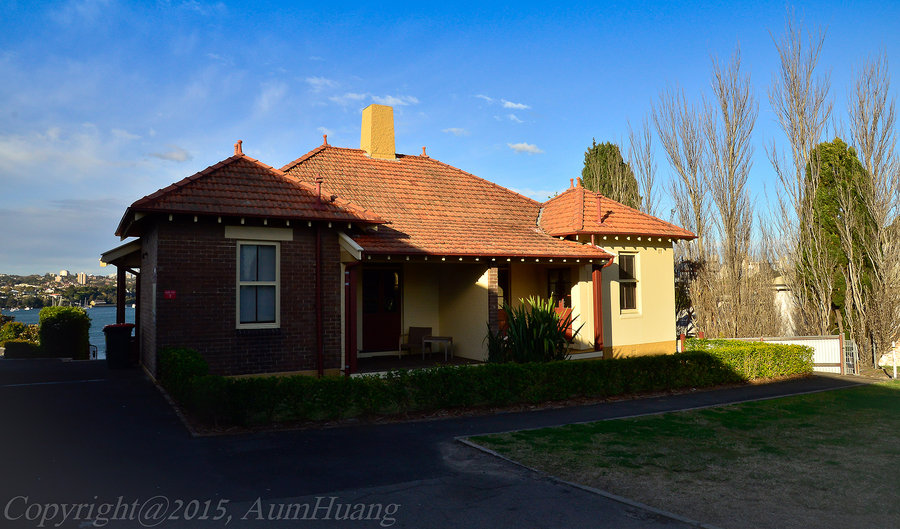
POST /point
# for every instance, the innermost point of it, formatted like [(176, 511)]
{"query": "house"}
[(323, 263)]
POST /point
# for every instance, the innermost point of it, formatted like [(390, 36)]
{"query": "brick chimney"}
[(377, 137)]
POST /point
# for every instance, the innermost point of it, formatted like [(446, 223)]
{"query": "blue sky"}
[(103, 102)]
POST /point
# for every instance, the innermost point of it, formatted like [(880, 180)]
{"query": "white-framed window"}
[(628, 282), (258, 294)]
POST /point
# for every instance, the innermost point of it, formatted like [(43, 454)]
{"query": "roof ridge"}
[(350, 207), (529, 199), (184, 181), (639, 212), (581, 206), (285, 168), (425, 159)]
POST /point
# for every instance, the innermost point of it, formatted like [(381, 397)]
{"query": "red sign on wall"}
[(169, 294)]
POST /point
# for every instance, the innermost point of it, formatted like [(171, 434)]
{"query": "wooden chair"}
[(412, 341)]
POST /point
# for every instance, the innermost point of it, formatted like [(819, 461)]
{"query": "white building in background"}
[(82, 278), (64, 273), (786, 306)]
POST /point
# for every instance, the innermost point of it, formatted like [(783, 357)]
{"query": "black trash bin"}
[(118, 345)]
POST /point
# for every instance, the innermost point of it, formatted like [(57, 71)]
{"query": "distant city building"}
[(82, 278), (64, 273)]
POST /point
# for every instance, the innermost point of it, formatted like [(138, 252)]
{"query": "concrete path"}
[(77, 434)]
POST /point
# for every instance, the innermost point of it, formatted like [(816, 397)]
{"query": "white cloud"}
[(348, 98), (326, 131), (204, 9), (59, 234), (513, 117), (122, 134), (456, 131), (527, 148), (78, 154), (517, 106), (486, 98), (174, 154), (316, 58), (80, 11), (271, 95), (395, 101), (317, 84)]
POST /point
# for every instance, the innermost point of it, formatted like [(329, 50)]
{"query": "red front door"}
[(381, 309)]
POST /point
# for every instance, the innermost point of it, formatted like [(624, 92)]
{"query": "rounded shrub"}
[(64, 332)]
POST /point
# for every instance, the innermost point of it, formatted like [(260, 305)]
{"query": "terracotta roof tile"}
[(434, 208), (242, 186), (580, 211)]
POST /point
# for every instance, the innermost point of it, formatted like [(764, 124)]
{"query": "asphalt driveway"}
[(77, 436)]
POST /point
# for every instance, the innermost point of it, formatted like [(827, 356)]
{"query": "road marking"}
[(52, 383)]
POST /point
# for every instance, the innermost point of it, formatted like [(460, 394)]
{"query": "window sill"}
[(258, 326), (631, 313), (249, 330)]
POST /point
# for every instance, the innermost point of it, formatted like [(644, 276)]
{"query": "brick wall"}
[(493, 299), (199, 264), (147, 331)]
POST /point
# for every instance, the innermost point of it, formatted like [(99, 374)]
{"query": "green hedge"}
[(19, 348), (15, 330), (253, 401), (758, 359), (65, 332)]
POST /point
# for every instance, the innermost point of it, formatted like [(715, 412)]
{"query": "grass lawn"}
[(821, 460)]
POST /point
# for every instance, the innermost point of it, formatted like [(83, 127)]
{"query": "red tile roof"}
[(434, 208), (243, 187), (577, 210)]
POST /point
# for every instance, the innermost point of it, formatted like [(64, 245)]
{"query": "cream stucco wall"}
[(650, 329), (583, 307), (463, 308), (421, 295), (525, 280)]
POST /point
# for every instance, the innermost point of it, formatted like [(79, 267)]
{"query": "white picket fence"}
[(830, 353)]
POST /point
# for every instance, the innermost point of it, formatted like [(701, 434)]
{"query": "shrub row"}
[(19, 348), (65, 332), (253, 401), (15, 330), (61, 332), (758, 359)]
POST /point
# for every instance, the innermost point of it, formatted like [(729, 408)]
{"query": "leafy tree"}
[(606, 172), (838, 202)]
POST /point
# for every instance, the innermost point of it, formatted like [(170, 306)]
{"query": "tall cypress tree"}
[(841, 176), (606, 172)]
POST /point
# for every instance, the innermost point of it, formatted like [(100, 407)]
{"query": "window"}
[(258, 296), (627, 282), (559, 286)]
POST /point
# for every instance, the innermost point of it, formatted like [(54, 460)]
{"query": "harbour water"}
[(100, 316)]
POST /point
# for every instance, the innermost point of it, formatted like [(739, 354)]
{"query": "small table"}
[(445, 341)]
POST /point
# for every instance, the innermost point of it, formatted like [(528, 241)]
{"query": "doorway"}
[(381, 298)]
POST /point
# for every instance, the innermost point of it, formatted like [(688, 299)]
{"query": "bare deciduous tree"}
[(679, 127), (873, 314), (800, 99), (731, 287), (640, 158), (728, 125), (733, 295)]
